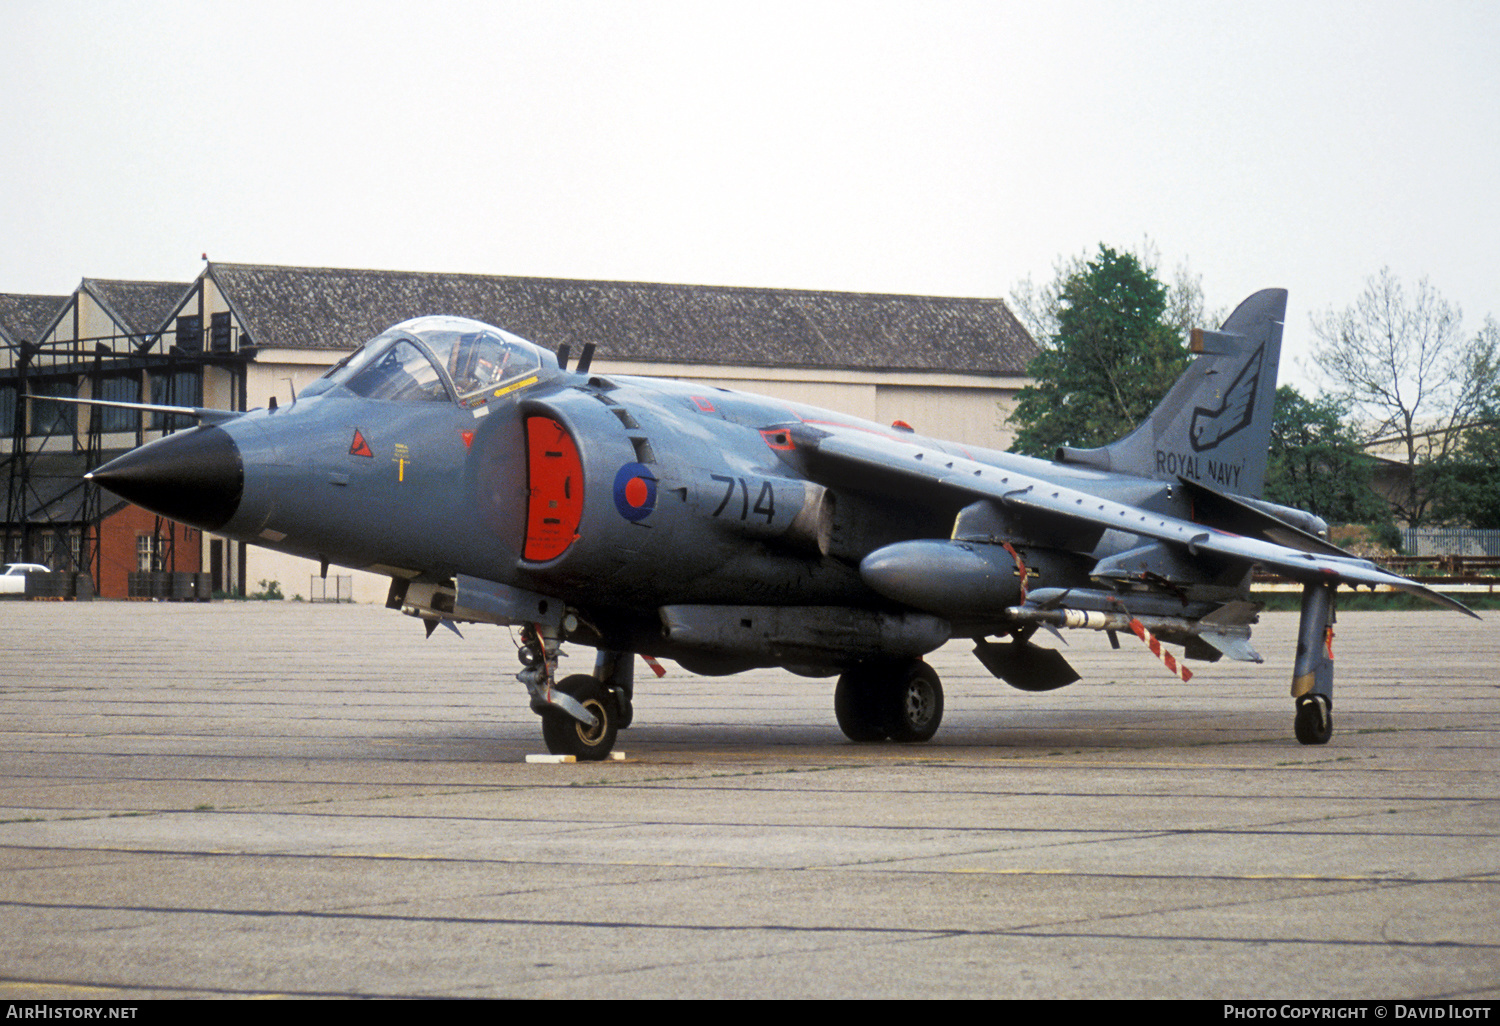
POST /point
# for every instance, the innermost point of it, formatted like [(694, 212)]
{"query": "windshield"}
[(401, 371), (477, 361)]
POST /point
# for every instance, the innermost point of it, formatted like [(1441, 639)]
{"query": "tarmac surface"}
[(281, 799)]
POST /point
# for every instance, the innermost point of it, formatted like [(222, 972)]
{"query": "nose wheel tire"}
[(566, 736), (1314, 722)]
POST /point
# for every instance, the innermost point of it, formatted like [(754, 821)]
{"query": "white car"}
[(13, 580)]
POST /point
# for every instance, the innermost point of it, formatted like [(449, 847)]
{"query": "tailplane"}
[(1214, 426)]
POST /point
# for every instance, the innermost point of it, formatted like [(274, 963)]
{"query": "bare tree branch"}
[(1404, 362)]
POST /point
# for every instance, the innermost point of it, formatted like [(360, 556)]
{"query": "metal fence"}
[(334, 588), (1425, 541)]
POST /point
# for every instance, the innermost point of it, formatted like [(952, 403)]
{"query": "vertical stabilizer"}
[(1214, 426)]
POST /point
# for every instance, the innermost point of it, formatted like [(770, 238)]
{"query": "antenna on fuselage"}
[(563, 352), (586, 358)]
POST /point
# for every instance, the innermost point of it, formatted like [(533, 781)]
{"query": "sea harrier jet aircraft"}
[(727, 531)]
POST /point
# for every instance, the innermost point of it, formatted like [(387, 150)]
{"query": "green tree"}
[(1465, 493), (1466, 486), (1112, 356), (1316, 462), (1037, 306)]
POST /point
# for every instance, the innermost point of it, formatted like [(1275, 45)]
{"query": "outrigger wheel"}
[(1312, 670), (566, 736), (1314, 722)]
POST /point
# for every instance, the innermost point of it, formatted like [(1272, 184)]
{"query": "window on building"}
[(61, 548), (44, 544), (184, 388), (53, 418), (147, 552), (189, 337), (218, 333), (7, 410), (119, 388)]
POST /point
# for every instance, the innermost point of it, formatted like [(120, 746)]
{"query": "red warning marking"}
[(359, 447), (779, 440), (703, 404), (1139, 629), (468, 437), (656, 667), (1328, 643), (1020, 568)]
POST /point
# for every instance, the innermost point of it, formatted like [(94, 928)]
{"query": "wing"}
[(1039, 501)]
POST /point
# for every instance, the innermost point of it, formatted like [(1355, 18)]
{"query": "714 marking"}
[(765, 501)]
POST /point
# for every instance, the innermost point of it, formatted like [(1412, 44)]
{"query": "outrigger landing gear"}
[(580, 716), (1312, 674), (1314, 722), (898, 699)]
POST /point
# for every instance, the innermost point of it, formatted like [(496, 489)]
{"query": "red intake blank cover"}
[(555, 502)]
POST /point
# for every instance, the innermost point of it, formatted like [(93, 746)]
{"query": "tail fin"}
[(1214, 426)]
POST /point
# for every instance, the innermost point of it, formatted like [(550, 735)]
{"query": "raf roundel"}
[(635, 491)]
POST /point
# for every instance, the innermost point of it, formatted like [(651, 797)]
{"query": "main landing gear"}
[(897, 699)]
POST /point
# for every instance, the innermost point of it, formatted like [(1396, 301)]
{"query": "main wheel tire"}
[(566, 736), (914, 706), (858, 707), (1314, 722)]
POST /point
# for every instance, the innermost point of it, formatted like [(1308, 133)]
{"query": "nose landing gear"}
[(566, 735), (580, 716)]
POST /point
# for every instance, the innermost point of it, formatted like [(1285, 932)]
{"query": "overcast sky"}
[(943, 148)]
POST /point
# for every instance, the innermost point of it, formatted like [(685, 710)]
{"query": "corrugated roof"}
[(332, 308), (26, 318)]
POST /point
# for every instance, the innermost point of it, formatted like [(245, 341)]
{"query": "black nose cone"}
[(195, 477)]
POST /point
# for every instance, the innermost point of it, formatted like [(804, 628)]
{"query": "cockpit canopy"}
[(440, 358)]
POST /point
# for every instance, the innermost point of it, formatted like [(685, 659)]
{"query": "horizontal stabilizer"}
[(1252, 519)]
